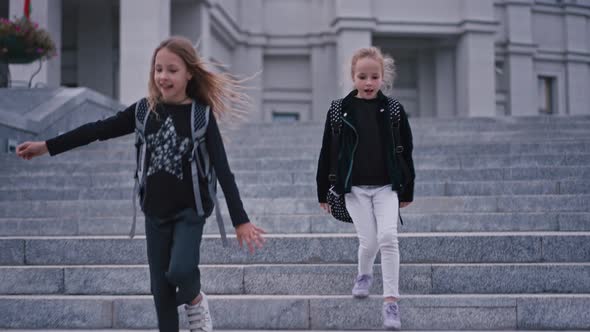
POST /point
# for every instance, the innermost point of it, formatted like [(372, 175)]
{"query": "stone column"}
[(349, 40), (522, 82), (475, 75), (248, 62), (205, 29), (577, 65), (144, 24), (324, 87), (445, 74), (48, 15), (475, 60), (354, 24), (187, 20), (426, 84), (248, 57)]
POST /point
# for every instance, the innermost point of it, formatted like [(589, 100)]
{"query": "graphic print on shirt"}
[(166, 150)]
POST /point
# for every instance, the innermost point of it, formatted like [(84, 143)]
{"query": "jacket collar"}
[(346, 101)]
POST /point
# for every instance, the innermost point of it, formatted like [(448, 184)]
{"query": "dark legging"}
[(173, 256)]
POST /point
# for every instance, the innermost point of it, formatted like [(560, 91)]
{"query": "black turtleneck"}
[(369, 167)]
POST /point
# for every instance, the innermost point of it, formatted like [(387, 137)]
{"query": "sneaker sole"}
[(393, 328)]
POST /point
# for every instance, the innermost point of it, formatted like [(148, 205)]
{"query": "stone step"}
[(458, 123), (314, 138), (93, 184), (30, 189), (310, 164), (299, 163), (435, 248), (326, 279), (438, 149), (290, 139), (306, 177), (552, 120), (418, 312), (449, 125), (224, 330), (280, 206), (312, 151), (312, 223), (423, 125)]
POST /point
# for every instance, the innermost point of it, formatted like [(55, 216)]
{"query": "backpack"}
[(199, 160), (336, 201)]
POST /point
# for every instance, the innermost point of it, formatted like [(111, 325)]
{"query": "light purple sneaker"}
[(391, 319), (362, 286)]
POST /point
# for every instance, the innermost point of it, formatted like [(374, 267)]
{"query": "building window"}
[(546, 95), (285, 117)]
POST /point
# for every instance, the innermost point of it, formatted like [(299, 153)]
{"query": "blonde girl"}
[(369, 173)]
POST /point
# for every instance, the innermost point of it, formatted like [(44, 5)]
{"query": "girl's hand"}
[(404, 204), (251, 234), (325, 207), (28, 150)]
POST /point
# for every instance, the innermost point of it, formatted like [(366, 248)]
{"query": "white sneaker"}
[(199, 317)]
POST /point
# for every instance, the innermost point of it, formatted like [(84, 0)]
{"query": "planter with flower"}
[(22, 41)]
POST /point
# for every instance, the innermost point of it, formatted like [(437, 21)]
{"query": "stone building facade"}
[(454, 57)]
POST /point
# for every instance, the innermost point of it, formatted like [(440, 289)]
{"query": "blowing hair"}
[(221, 91), (386, 61)]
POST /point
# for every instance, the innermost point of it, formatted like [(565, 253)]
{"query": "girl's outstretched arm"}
[(120, 124)]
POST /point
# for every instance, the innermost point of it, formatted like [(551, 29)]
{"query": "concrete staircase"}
[(498, 237)]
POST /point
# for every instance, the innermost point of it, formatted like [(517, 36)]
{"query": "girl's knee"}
[(369, 244), (388, 239), (180, 275)]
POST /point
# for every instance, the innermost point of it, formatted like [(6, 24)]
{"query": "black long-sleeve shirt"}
[(169, 186), (369, 166)]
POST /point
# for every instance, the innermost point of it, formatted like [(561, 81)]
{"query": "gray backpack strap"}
[(194, 158), (203, 167), (211, 183), (141, 116)]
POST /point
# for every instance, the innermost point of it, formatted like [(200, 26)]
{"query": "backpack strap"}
[(394, 110), (141, 117), (201, 165), (335, 118), (199, 119)]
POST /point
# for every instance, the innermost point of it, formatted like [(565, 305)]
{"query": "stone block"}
[(55, 313), (25, 280)]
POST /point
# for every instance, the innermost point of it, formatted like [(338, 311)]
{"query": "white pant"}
[(375, 212)]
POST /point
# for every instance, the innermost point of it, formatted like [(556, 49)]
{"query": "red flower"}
[(27, 9)]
